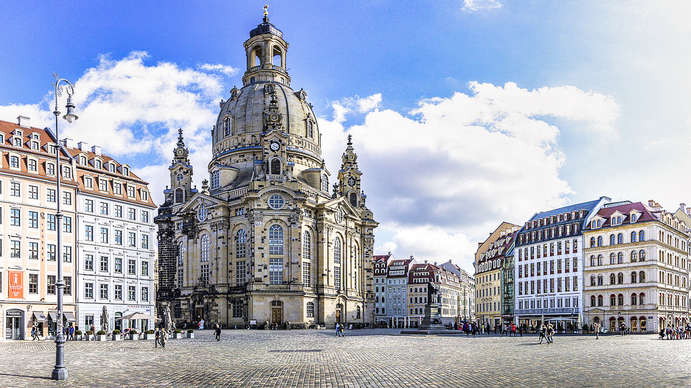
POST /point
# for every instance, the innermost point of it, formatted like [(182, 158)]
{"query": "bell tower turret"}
[(349, 177), (180, 173), (266, 54)]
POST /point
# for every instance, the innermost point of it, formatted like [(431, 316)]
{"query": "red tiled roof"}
[(625, 210)]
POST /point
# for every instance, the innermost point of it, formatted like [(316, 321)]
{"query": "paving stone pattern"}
[(364, 358)]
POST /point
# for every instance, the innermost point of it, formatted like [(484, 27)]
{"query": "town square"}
[(363, 358), (289, 194)]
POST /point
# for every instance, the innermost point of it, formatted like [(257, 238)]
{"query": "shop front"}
[(14, 324)]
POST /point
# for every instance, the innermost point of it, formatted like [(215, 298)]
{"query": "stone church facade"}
[(265, 240)]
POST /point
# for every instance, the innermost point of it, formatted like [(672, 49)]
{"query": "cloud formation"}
[(219, 68), (448, 171), (480, 5)]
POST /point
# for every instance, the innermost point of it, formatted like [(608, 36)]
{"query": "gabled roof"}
[(588, 206)]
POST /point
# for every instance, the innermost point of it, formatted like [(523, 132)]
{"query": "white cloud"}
[(133, 109), (480, 5), (219, 68), (455, 167), (355, 104)]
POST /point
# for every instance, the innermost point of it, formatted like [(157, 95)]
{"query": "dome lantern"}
[(266, 54)]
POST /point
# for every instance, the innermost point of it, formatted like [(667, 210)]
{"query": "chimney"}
[(682, 206), (83, 146), (23, 121), (96, 149), (68, 142)]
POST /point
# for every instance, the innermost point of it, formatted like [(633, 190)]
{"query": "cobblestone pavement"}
[(364, 358)]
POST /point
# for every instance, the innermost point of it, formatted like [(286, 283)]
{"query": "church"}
[(264, 239)]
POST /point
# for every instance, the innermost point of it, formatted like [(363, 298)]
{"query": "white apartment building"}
[(380, 263), (116, 242), (548, 269), (397, 292)]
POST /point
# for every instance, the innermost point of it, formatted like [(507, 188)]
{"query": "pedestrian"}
[(218, 332), (33, 333), (163, 336), (596, 327), (550, 333), (542, 333), (513, 329), (157, 338), (72, 332), (338, 331)]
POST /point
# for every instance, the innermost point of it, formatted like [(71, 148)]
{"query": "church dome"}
[(266, 103)]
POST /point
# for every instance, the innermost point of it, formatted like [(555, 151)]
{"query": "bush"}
[(89, 332), (78, 332), (178, 331), (116, 331), (100, 332), (149, 332), (190, 331), (133, 331)]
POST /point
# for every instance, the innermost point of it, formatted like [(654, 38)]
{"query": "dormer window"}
[(32, 165), (125, 171), (17, 141), (145, 195), (66, 172), (82, 160), (53, 149), (634, 217), (50, 169), (98, 164), (102, 184), (88, 182), (130, 191), (34, 145), (14, 161), (111, 167), (117, 188), (2, 139)]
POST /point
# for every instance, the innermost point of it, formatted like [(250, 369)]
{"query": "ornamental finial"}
[(266, 13), (350, 139)]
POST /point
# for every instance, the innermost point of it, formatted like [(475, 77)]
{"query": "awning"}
[(69, 316), (136, 316), (39, 316), (53, 315)]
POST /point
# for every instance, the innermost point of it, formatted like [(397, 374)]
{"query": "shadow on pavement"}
[(25, 376)]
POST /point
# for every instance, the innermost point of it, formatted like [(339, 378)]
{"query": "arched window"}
[(240, 243), (641, 276), (620, 238), (353, 199), (612, 279), (634, 299), (599, 259), (592, 242), (599, 300), (641, 299), (357, 312), (634, 256), (641, 235), (592, 280), (337, 250), (181, 254), (599, 241), (275, 167), (612, 258), (592, 261), (620, 278), (306, 245), (337, 263), (226, 126), (612, 300), (309, 312), (204, 242), (599, 280), (179, 195), (620, 299), (620, 258), (309, 129), (276, 57), (633, 237), (275, 240), (641, 255), (592, 300), (612, 241), (633, 277), (256, 58)]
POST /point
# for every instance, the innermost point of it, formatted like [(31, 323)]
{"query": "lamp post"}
[(60, 371)]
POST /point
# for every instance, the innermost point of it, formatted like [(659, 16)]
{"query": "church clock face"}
[(351, 181), (274, 146)]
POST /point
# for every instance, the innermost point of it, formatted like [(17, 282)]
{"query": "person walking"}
[(163, 336), (217, 331), (550, 334), (596, 327), (513, 329), (157, 338), (33, 333), (542, 332)]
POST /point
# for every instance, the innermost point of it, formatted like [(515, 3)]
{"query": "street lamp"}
[(60, 371)]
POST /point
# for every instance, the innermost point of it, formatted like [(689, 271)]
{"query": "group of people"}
[(161, 335), (513, 329), (676, 333), (340, 330), (546, 333)]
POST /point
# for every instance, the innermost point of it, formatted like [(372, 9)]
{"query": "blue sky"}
[(485, 110)]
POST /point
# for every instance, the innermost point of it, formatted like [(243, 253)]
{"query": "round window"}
[(276, 201)]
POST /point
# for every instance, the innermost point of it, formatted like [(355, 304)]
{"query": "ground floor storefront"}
[(636, 321), (19, 319), (119, 316)]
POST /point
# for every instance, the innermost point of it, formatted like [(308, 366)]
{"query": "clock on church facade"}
[(265, 241)]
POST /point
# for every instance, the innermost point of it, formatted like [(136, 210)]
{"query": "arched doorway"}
[(634, 324), (276, 312), (14, 324), (620, 323), (662, 322), (339, 313), (612, 324), (643, 324)]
